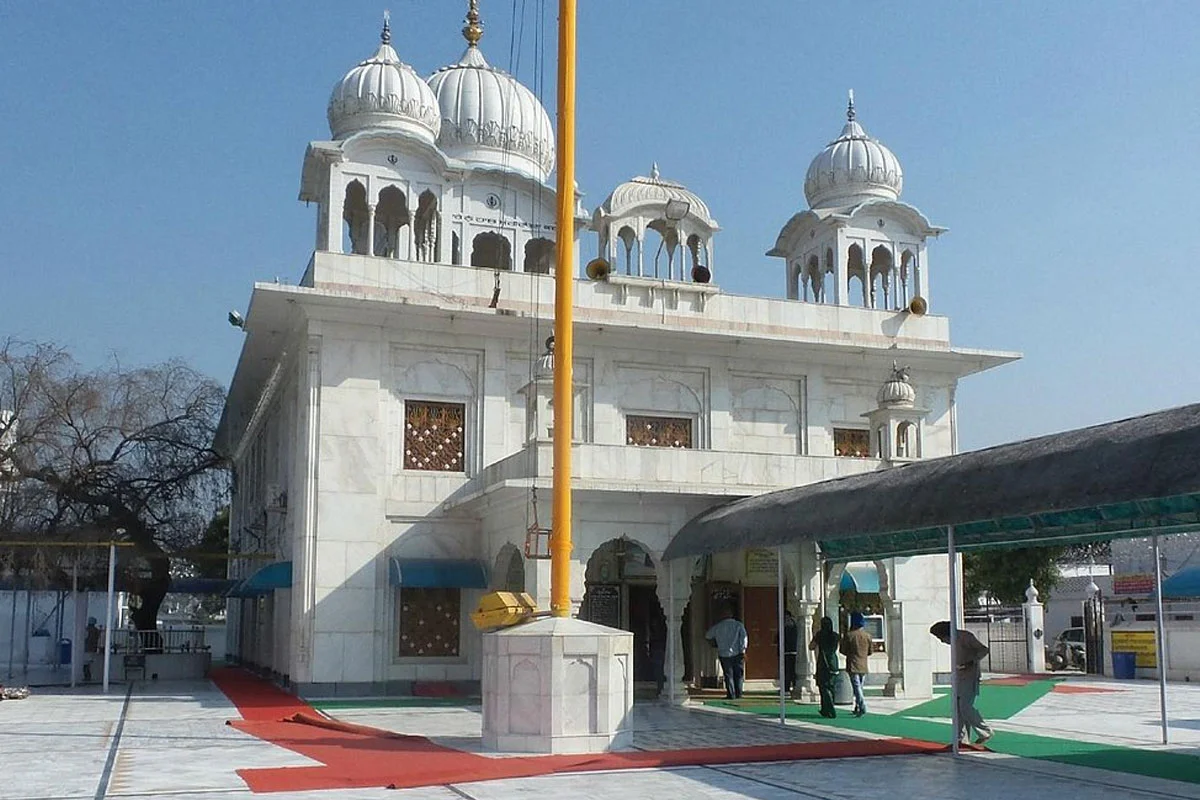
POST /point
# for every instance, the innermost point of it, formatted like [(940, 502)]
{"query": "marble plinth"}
[(557, 685)]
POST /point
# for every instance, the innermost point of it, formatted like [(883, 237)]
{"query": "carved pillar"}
[(674, 590), (372, 248), (304, 597), (895, 649)]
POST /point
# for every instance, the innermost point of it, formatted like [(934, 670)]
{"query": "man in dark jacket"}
[(856, 647), (791, 638)]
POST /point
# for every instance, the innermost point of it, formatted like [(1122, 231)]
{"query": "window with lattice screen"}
[(429, 623), (435, 436), (647, 431), (852, 442)]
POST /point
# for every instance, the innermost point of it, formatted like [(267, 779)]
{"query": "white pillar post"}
[(953, 557), (371, 230), (1160, 641), (672, 632), (782, 659), (108, 609), (1035, 626)]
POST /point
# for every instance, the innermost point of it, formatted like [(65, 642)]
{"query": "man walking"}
[(969, 651), (729, 636), (856, 647)]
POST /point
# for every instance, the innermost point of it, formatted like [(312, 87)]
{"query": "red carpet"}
[(356, 756)]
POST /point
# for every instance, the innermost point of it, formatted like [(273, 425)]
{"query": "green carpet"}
[(1134, 761), (994, 702)]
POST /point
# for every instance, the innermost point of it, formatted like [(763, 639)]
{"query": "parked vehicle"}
[(1067, 651)]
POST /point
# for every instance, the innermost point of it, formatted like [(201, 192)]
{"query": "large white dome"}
[(852, 169), (487, 116), (383, 93)]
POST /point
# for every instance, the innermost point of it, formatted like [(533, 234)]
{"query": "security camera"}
[(237, 320)]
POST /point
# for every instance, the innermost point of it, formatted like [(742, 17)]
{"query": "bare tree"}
[(95, 452)]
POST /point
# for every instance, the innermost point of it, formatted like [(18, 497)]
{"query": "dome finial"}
[(850, 108), (654, 171), (386, 35), (473, 30)]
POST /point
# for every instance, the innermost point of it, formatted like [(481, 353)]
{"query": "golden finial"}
[(473, 30)]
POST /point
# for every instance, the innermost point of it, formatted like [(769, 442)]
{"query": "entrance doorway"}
[(621, 591), (761, 606)]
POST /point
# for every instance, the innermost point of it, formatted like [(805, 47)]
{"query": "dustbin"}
[(64, 651), (1124, 665), (843, 692)]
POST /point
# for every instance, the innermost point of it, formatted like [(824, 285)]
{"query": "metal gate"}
[(1003, 631)]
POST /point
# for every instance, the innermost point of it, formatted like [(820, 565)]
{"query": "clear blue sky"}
[(151, 153)]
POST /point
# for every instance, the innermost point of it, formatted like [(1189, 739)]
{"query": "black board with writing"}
[(604, 605)]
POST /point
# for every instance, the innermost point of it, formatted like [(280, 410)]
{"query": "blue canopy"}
[(860, 578), (435, 573), (277, 575), (1184, 583)]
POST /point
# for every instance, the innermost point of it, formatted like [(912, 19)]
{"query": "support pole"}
[(108, 611), (12, 633), (564, 345), (953, 557), (75, 619), (28, 628), (1160, 640), (782, 658)]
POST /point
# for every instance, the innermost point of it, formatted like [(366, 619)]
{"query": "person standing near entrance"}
[(730, 638), (856, 647), (969, 652), (825, 644), (91, 646), (791, 639)]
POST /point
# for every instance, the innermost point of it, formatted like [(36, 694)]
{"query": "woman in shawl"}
[(825, 644)]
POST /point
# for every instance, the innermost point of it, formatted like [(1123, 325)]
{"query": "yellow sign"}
[(1139, 642), (762, 563)]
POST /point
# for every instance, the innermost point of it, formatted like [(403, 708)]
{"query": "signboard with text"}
[(1141, 643)]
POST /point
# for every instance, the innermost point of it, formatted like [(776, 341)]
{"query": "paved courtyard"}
[(171, 741)]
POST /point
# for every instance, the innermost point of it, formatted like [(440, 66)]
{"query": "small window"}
[(429, 622), (434, 436), (658, 431), (852, 442)]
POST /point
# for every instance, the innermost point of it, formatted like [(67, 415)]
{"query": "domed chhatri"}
[(487, 116), (852, 169), (896, 391), (383, 93), (654, 190)]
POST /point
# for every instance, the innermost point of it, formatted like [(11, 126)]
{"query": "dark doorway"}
[(649, 627)]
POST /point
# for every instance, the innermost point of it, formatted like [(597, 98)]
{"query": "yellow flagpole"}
[(564, 345)]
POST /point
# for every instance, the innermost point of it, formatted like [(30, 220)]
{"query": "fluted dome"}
[(654, 191), (896, 391), (383, 93), (488, 116), (853, 168)]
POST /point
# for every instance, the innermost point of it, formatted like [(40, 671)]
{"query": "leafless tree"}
[(89, 453)]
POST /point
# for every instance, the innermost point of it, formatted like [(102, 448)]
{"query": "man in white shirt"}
[(729, 637), (970, 652)]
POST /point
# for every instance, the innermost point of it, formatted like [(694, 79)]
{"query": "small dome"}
[(853, 168), (896, 391), (383, 93), (654, 191), (488, 116)]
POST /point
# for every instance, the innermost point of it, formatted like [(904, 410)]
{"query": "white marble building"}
[(389, 417)]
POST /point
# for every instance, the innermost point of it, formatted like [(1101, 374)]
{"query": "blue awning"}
[(266, 580), (861, 578), (1184, 583), (436, 573)]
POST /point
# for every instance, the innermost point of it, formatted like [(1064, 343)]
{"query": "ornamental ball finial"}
[(473, 30)]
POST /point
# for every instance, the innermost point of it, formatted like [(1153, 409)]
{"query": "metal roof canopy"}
[(1135, 477)]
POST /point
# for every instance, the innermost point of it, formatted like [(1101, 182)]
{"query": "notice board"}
[(1141, 643)]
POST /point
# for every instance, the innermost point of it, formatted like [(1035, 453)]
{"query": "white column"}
[(371, 229), (108, 609), (75, 662), (641, 260), (336, 202), (1035, 627)]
